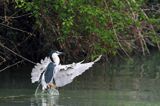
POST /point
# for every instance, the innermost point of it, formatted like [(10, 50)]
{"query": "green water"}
[(129, 82)]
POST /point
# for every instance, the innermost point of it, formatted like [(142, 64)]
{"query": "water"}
[(133, 82)]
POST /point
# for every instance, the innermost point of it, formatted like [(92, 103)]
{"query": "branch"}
[(17, 29), (11, 65), (3, 60), (17, 54), (138, 29), (115, 32), (22, 15)]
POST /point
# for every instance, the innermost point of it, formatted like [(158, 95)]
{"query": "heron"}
[(51, 74)]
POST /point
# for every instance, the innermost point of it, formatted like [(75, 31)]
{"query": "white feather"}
[(39, 68), (66, 73), (43, 83)]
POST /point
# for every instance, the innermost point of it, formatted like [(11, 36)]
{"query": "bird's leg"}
[(51, 85)]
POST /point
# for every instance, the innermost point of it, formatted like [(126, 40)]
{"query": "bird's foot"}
[(51, 85)]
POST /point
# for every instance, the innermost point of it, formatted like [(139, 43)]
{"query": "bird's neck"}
[(56, 60)]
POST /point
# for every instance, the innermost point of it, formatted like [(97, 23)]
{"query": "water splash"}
[(50, 92)]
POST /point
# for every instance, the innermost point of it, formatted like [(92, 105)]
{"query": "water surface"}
[(130, 82)]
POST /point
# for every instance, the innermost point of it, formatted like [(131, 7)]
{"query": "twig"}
[(142, 40), (11, 65), (17, 29), (3, 60), (37, 89), (24, 40), (22, 15), (15, 46), (16, 54), (150, 25), (115, 33)]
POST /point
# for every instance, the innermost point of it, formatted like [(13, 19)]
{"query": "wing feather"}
[(39, 68), (66, 75)]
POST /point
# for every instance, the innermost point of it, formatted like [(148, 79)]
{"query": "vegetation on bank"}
[(80, 28)]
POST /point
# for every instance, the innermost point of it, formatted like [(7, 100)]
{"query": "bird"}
[(51, 74)]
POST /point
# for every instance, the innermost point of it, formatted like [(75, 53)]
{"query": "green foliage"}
[(115, 24)]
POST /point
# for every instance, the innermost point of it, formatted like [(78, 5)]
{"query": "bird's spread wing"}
[(38, 69), (66, 73)]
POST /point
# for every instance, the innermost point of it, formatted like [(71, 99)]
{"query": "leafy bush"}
[(95, 27)]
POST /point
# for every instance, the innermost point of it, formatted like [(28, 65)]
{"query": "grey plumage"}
[(48, 75), (61, 74)]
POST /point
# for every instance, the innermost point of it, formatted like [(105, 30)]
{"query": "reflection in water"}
[(134, 82), (45, 100), (48, 97)]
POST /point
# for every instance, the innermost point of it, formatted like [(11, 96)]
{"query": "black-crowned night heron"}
[(50, 73)]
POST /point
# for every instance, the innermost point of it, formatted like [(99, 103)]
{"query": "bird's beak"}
[(60, 53)]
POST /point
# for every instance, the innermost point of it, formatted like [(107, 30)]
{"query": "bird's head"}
[(54, 55)]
